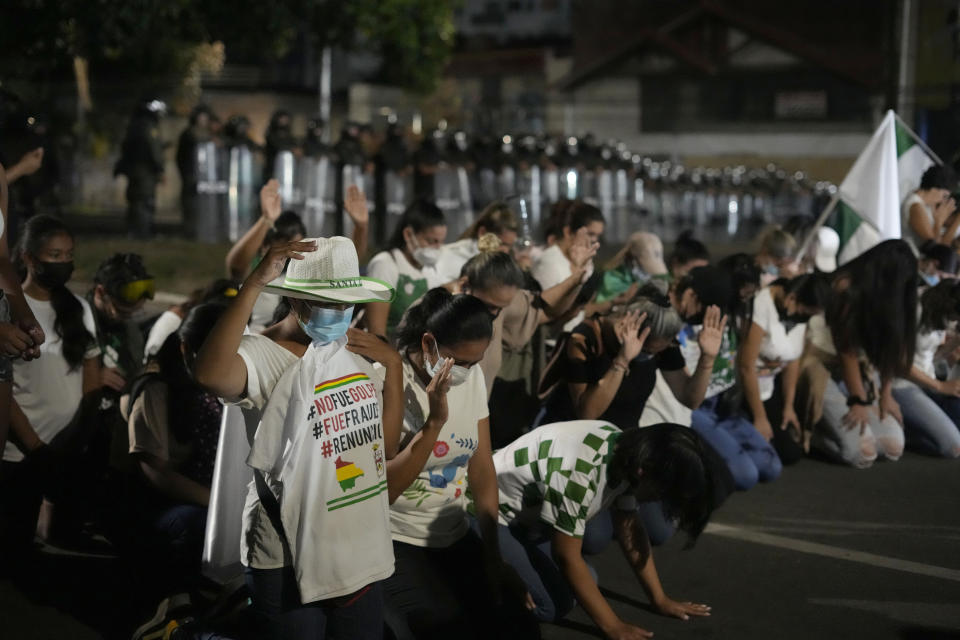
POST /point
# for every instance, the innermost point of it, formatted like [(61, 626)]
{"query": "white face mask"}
[(458, 374), (427, 256)]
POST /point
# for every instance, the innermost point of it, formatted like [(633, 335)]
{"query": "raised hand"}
[(582, 250), (711, 335), (628, 333), (437, 395), (356, 205), (370, 346), (271, 204), (31, 162), (275, 261)]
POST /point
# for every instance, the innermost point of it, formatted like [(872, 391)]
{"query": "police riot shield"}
[(449, 185), (550, 185), (569, 183), (241, 191), (485, 189), (507, 181), (529, 187), (285, 170), (319, 191), (397, 196), (589, 190), (211, 190)]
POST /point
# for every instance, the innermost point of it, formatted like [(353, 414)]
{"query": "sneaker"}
[(169, 610)]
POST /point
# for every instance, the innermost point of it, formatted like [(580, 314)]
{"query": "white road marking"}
[(829, 551)]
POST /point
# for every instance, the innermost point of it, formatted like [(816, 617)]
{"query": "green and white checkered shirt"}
[(556, 475)]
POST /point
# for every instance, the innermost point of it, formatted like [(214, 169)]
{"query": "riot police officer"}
[(279, 137), (141, 160), (313, 144), (197, 132)]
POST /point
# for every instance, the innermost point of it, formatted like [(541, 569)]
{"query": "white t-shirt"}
[(778, 343), (260, 545), (556, 476), (453, 256), (320, 445), (430, 512), (163, 328), (550, 269), (46, 389), (409, 282), (908, 233), (927, 344), (818, 333)]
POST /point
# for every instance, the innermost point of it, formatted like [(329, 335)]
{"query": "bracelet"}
[(617, 366), (858, 401)]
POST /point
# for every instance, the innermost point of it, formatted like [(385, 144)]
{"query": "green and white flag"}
[(887, 170)]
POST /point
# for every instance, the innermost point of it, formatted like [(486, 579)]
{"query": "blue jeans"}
[(930, 420), (532, 556), (279, 614), (748, 455)]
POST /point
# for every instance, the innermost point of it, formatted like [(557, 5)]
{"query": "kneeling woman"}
[(447, 578), (316, 524), (559, 477)]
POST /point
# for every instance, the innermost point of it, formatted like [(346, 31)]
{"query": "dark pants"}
[(787, 442), (188, 207), (141, 209), (443, 593), (278, 613), (20, 496)]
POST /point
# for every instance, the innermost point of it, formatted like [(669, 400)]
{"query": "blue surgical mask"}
[(458, 374), (326, 324), (771, 269), (931, 279)]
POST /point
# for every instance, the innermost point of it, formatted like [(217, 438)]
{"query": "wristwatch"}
[(857, 400)]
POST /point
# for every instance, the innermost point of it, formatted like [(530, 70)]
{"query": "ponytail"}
[(491, 267)]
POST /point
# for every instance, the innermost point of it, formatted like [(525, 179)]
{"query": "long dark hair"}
[(687, 248), (288, 226), (420, 215), (939, 305), (809, 289), (451, 319), (877, 311), (675, 461), (173, 371), (74, 336)]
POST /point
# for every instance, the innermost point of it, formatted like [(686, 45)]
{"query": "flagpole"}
[(917, 139), (819, 223)]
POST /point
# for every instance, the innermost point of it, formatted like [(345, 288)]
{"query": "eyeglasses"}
[(134, 292)]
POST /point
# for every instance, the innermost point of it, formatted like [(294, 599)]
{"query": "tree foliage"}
[(156, 39)]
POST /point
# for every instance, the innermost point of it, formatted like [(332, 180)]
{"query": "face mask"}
[(931, 279), (771, 270), (427, 256), (326, 325), (52, 275), (458, 374)]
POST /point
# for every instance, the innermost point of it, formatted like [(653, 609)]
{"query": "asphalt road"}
[(823, 552)]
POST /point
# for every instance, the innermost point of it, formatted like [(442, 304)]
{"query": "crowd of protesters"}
[(439, 438)]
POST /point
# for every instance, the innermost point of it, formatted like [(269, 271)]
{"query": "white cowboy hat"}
[(330, 274)]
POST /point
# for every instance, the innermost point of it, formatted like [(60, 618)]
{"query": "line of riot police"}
[(462, 174)]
